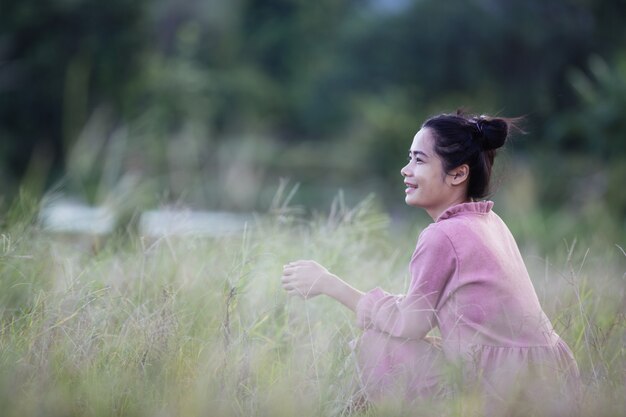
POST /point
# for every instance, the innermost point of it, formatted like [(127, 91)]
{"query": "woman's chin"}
[(410, 202)]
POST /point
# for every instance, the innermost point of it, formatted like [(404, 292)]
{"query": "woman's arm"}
[(308, 279), (413, 315), (409, 316)]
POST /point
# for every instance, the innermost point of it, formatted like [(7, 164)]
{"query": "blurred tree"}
[(517, 50), (595, 127), (293, 47), (363, 73), (58, 60)]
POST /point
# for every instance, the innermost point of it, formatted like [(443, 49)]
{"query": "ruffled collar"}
[(477, 207)]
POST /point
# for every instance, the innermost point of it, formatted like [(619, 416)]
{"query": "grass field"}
[(192, 326)]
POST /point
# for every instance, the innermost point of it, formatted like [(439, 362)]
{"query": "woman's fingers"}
[(294, 293), (299, 262), (288, 283), (290, 279)]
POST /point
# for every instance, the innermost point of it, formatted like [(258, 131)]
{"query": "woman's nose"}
[(404, 172)]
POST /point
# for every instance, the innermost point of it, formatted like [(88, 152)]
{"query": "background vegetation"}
[(226, 105), (209, 102)]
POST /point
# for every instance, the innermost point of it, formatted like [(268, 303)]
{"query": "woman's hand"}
[(305, 279)]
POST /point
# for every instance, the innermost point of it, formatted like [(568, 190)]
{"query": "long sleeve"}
[(411, 316)]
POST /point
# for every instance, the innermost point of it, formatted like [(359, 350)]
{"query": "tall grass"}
[(183, 326)]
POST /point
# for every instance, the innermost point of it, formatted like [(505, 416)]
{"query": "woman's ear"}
[(459, 175)]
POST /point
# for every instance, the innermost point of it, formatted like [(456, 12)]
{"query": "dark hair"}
[(464, 139)]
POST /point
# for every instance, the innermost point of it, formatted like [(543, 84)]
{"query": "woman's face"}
[(427, 183)]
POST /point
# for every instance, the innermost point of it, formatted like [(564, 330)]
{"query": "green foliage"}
[(60, 59), (594, 130), (133, 103), (182, 99), (596, 127)]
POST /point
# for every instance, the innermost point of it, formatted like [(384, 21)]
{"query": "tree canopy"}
[(301, 71)]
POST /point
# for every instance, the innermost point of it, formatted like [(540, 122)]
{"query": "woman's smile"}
[(410, 187)]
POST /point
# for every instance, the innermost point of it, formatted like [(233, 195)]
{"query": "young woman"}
[(468, 280)]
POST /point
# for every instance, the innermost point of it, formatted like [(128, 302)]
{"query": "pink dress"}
[(469, 280)]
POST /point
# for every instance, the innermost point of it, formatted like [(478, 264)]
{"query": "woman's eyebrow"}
[(415, 153)]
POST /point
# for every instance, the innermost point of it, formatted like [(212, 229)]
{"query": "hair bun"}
[(492, 132)]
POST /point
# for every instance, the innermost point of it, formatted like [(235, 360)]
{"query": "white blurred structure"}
[(170, 222), (65, 216), (72, 217)]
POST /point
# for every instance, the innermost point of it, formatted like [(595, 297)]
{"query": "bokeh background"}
[(278, 128), (210, 104)]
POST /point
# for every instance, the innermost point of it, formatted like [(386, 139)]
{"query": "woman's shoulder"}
[(435, 236)]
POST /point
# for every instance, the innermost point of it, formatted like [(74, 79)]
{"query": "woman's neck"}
[(435, 212)]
